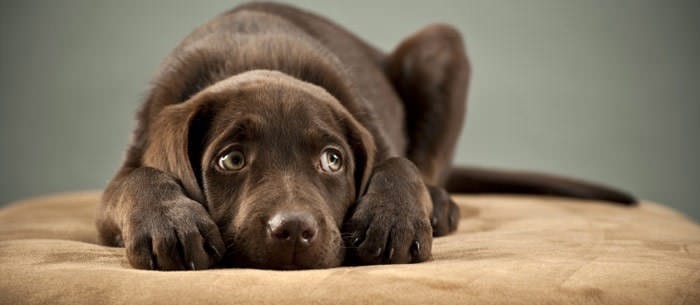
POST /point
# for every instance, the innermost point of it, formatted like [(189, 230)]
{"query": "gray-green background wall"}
[(603, 90)]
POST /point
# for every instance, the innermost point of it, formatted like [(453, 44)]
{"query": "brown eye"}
[(331, 160), (232, 161)]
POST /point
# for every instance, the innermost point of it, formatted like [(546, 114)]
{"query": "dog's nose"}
[(292, 227)]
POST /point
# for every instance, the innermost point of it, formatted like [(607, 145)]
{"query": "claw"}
[(415, 248), (378, 252), (192, 266), (356, 241), (216, 251), (391, 253), (152, 263)]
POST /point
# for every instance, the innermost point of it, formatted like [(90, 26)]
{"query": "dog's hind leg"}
[(430, 71)]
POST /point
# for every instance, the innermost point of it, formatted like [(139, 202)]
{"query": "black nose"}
[(292, 227)]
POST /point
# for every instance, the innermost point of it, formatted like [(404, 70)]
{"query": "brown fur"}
[(282, 86)]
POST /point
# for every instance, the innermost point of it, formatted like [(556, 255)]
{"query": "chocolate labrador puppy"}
[(273, 138)]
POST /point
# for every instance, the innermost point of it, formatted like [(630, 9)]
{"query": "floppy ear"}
[(364, 150), (176, 144)]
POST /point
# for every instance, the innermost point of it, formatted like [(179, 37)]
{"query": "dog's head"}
[(278, 162)]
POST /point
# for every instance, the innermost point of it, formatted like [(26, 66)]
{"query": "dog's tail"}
[(481, 180)]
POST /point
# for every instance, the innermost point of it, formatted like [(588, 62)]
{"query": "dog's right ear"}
[(175, 144)]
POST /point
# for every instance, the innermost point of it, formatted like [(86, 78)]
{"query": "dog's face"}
[(278, 162)]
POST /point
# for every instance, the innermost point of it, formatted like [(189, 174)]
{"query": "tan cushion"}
[(508, 250)]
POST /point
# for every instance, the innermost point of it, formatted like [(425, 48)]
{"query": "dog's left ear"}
[(176, 141), (364, 150)]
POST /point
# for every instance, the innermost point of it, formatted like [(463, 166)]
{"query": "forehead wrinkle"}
[(322, 134), (241, 126)]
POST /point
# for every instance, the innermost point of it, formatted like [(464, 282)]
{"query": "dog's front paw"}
[(445, 216), (174, 235), (390, 223), (381, 235)]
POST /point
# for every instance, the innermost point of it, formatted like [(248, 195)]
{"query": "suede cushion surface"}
[(507, 250)]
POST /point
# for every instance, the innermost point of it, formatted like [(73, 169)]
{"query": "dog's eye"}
[(232, 160), (331, 160)]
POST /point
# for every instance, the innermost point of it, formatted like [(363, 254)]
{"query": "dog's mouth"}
[(242, 252)]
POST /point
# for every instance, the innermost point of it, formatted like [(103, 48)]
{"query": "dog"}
[(273, 138)]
